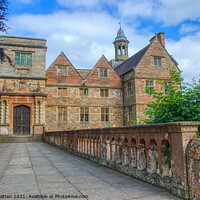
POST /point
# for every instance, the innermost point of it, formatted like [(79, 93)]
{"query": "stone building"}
[(82, 98), (62, 97), (22, 85), (140, 73)]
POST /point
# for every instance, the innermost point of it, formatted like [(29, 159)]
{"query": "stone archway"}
[(21, 119)]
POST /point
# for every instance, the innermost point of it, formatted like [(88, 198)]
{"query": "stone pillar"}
[(36, 112), (134, 156), (2, 111), (6, 112), (40, 111)]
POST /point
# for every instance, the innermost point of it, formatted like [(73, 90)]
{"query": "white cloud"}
[(189, 28), (170, 12), (86, 4), (173, 12), (136, 8), (83, 37), (186, 52)]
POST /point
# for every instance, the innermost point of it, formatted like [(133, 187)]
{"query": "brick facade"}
[(63, 97), (92, 92), (143, 73)]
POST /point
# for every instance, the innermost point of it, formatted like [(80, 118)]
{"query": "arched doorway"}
[(21, 120)]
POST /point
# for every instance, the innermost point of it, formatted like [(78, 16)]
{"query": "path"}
[(29, 169)]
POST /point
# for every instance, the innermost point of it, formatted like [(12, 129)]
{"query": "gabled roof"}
[(131, 62)]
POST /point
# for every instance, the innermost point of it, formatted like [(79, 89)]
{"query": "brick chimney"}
[(161, 38)]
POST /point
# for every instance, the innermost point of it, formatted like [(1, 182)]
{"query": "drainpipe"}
[(123, 102)]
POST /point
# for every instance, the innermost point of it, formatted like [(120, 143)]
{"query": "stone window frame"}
[(26, 61), (84, 92), (129, 113), (149, 84), (105, 114), (129, 88), (84, 114), (62, 114), (166, 86), (62, 91), (104, 92), (157, 61), (103, 72), (62, 70)]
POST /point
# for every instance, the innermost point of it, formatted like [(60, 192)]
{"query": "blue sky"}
[(85, 29)]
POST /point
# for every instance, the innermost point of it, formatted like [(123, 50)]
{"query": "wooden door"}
[(21, 120)]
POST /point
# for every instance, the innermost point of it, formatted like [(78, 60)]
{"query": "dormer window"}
[(157, 61), (23, 58), (62, 71), (103, 72)]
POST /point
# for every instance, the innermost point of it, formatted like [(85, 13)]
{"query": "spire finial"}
[(120, 23)]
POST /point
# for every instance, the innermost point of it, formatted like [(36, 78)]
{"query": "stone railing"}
[(153, 153)]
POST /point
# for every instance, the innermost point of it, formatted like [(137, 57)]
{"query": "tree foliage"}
[(3, 26), (177, 101), (3, 13)]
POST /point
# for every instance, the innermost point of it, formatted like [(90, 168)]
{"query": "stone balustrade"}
[(153, 153)]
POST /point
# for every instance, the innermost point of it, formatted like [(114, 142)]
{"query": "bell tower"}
[(121, 46)]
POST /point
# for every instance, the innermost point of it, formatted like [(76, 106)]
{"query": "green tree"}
[(3, 26), (3, 13), (177, 101)]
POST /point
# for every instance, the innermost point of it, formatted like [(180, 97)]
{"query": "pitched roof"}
[(131, 62), (83, 72)]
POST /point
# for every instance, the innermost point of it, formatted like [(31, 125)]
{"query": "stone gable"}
[(94, 78), (71, 78)]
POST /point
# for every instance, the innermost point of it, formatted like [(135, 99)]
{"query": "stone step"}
[(20, 139)]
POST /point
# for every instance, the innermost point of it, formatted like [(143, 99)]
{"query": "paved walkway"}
[(35, 169)]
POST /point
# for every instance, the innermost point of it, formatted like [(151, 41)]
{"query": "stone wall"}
[(12, 45), (73, 99), (22, 83), (193, 168), (145, 70), (152, 153)]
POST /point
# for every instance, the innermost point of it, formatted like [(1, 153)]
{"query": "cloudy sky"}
[(85, 29)]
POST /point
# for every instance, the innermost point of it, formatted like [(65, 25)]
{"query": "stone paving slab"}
[(36, 169)]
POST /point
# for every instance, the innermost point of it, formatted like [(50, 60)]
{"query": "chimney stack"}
[(161, 38)]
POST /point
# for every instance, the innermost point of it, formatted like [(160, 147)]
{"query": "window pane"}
[(107, 117), (102, 117), (29, 59), (86, 117), (157, 61), (101, 92), (82, 110), (106, 92), (62, 70), (103, 72), (82, 117), (23, 59), (17, 58)]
